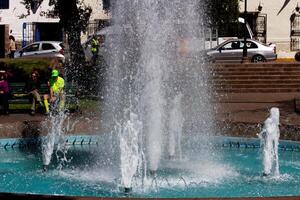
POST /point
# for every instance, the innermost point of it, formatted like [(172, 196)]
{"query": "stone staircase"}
[(256, 78)]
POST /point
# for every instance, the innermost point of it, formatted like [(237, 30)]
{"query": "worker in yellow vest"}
[(57, 97), (94, 49)]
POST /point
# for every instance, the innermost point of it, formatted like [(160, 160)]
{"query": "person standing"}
[(12, 46), (94, 49), (4, 92)]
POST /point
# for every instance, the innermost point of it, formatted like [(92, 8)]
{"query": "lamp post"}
[(245, 59)]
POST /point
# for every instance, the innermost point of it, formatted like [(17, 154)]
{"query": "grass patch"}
[(88, 104), (19, 106), (83, 104)]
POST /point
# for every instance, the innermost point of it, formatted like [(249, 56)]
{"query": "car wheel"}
[(297, 56), (258, 58)]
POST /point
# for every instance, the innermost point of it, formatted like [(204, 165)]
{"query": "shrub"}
[(20, 69)]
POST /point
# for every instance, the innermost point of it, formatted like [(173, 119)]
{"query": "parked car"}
[(46, 49), (232, 51)]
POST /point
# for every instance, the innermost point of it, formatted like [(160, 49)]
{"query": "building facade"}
[(275, 21), (36, 25)]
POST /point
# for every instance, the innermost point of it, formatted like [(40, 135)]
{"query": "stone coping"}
[(10, 196), (219, 141)]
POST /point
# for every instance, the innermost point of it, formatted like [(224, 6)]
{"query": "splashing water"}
[(156, 70), (175, 128), (55, 135), (269, 137), (128, 134)]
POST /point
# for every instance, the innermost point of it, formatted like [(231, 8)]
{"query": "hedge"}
[(21, 68)]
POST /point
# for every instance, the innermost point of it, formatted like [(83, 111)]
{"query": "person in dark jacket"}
[(4, 92), (33, 87)]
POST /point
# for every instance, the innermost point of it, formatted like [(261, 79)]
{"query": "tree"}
[(220, 12), (74, 16), (215, 12)]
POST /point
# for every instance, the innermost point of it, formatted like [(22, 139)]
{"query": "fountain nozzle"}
[(265, 174), (45, 168), (127, 190), (153, 173)]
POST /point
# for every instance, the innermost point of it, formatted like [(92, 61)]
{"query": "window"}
[(232, 45), (250, 45), (33, 47), (47, 46), (4, 4), (106, 4)]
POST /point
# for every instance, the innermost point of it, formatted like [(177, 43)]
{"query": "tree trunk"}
[(69, 19)]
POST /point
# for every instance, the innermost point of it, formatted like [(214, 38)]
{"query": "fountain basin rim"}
[(9, 196), (80, 140)]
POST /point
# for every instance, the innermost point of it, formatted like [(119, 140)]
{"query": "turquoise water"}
[(88, 172)]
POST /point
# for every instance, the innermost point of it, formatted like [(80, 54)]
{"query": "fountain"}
[(269, 137), (157, 79), (175, 128), (55, 127), (159, 136)]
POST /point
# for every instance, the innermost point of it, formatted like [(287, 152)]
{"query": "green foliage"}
[(20, 69), (73, 14), (220, 12), (215, 12)]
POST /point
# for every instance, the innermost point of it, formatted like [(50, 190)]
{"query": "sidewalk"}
[(238, 111), (254, 107), (25, 125)]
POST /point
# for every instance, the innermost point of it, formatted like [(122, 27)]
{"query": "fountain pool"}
[(158, 119), (237, 172)]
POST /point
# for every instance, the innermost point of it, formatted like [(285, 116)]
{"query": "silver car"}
[(45, 49), (232, 51)]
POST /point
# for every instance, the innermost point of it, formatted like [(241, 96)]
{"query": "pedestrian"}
[(56, 96), (56, 64), (4, 92), (12, 46), (95, 49), (33, 87)]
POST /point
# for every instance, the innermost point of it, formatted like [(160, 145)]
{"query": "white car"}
[(44, 49), (232, 51)]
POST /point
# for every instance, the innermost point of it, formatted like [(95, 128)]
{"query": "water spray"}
[(269, 137)]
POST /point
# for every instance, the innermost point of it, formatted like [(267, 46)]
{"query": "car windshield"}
[(33, 47)]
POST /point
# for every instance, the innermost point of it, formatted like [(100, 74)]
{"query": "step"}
[(255, 73), (283, 69), (277, 86), (257, 77), (254, 65), (272, 81), (258, 90)]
